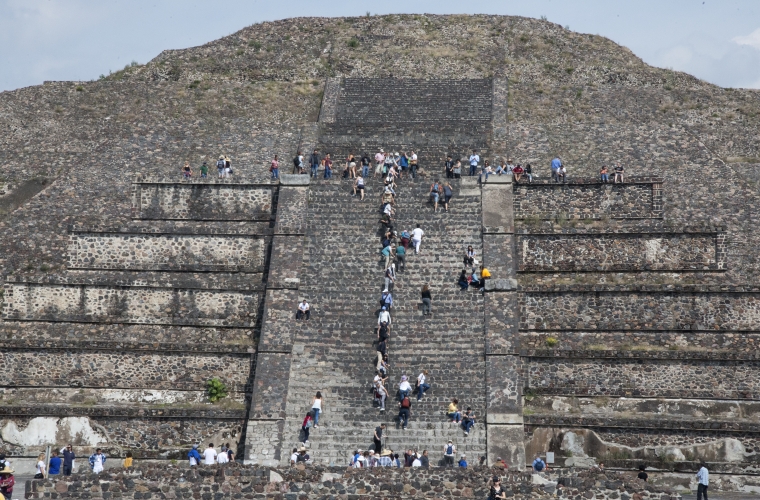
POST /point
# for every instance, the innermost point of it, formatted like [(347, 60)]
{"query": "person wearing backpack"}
[(435, 194), (314, 162), (298, 163), (538, 464), (220, 166), (448, 454), (308, 423), (404, 412)]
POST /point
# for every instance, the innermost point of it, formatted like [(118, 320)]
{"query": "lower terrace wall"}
[(153, 433), (638, 310), (122, 369), (695, 378), (306, 483), (166, 252), (153, 305)]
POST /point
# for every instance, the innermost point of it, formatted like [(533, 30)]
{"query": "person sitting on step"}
[(304, 310)]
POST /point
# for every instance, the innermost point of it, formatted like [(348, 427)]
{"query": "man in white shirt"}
[(294, 456), (404, 388), (703, 477), (417, 238), (413, 165), (474, 160), (209, 455), (421, 385), (304, 311), (383, 316), (223, 457)]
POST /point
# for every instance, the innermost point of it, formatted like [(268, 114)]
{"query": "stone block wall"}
[(385, 100), (125, 341), (639, 310), (639, 198), (161, 252), (130, 370), (211, 200), (167, 435), (620, 252), (235, 481), (691, 378), (95, 304)]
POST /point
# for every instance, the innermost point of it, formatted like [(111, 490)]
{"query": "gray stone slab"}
[(294, 179), (505, 418), (498, 179), (498, 208), (501, 285), (506, 441)]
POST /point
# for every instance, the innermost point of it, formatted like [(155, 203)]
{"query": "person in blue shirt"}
[(68, 460), (474, 160), (55, 463), (463, 462), (403, 162), (193, 456), (556, 165), (703, 477), (538, 464)]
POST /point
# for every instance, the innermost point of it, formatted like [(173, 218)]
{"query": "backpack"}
[(296, 162), (220, 164), (450, 450), (309, 423), (405, 403)]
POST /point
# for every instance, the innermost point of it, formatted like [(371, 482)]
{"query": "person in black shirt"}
[(366, 160), (449, 167), (426, 300), (68, 460), (378, 437), (642, 472)]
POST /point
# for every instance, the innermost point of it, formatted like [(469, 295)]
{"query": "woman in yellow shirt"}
[(484, 273), (453, 412)]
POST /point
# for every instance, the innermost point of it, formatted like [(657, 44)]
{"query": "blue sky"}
[(718, 41)]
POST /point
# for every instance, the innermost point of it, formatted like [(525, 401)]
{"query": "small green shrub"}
[(79, 88), (255, 44), (569, 70), (529, 394), (353, 43), (216, 389), (552, 341)]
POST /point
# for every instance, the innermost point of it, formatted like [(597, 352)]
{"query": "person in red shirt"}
[(518, 172), (6, 482)]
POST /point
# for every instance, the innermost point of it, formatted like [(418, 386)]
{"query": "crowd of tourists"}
[(401, 164)]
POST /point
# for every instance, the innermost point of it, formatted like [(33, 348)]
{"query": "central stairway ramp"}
[(334, 352)]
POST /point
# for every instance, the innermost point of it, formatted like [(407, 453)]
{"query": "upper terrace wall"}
[(639, 198), (204, 201), (621, 252)]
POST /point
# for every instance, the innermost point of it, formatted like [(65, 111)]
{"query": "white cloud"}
[(753, 39)]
